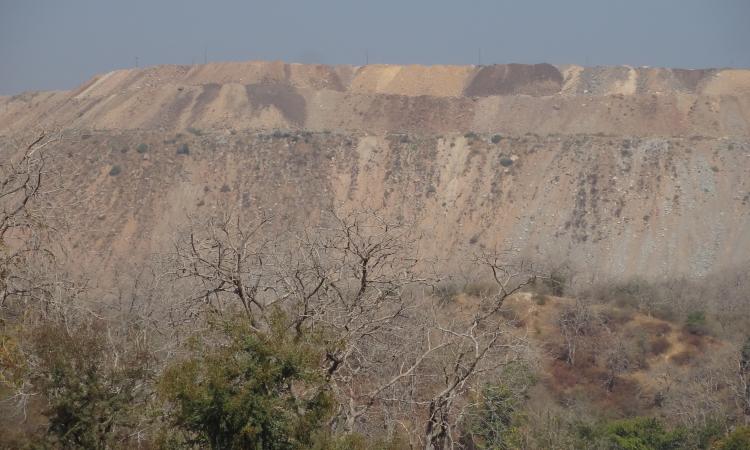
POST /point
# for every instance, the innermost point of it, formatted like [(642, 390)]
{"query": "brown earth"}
[(625, 171), (514, 79), (660, 353)]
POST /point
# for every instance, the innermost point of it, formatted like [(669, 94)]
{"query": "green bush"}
[(259, 390), (739, 439), (183, 150), (494, 419), (496, 139), (491, 425), (142, 148), (696, 323), (643, 433), (94, 398), (114, 171), (355, 441)]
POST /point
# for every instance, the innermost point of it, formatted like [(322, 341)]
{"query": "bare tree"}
[(20, 183), (24, 252), (617, 360), (482, 344), (224, 258), (364, 294), (575, 322)]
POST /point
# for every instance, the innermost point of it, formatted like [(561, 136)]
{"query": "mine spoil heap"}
[(625, 171)]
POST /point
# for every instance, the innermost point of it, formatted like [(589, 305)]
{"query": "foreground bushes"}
[(238, 387), (95, 393), (257, 390)]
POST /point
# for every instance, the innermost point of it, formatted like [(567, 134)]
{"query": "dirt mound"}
[(691, 80), (512, 98), (280, 96), (631, 171), (442, 81), (515, 79), (729, 82), (604, 80)]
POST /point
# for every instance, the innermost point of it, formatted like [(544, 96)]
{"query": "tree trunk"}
[(436, 433)]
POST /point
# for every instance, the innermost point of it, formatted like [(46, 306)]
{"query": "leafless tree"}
[(223, 258), (484, 343), (741, 387), (617, 360), (575, 322), (362, 290), (26, 259), (21, 184)]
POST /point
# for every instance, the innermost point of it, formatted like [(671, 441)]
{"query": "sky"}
[(56, 44)]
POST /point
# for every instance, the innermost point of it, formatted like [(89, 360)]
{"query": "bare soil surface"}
[(626, 171)]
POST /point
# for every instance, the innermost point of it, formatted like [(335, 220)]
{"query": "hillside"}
[(625, 171)]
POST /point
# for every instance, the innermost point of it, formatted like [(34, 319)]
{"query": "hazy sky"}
[(58, 44)]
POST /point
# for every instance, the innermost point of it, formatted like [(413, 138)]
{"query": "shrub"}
[(555, 284), (635, 293), (259, 390), (682, 358), (356, 441), (446, 293), (142, 148), (659, 345), (114, 171), (614, 316), (557, 281), (745, 355), (643, 433), (195, 131), (496, 139), (479, 288), (696, 323), (278, 134), (739, 439), (183, 150), (539, 299), (94, 397), (506, 162), (493, 420)]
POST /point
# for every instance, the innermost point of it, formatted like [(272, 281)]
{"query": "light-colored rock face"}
[(623, 171)]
